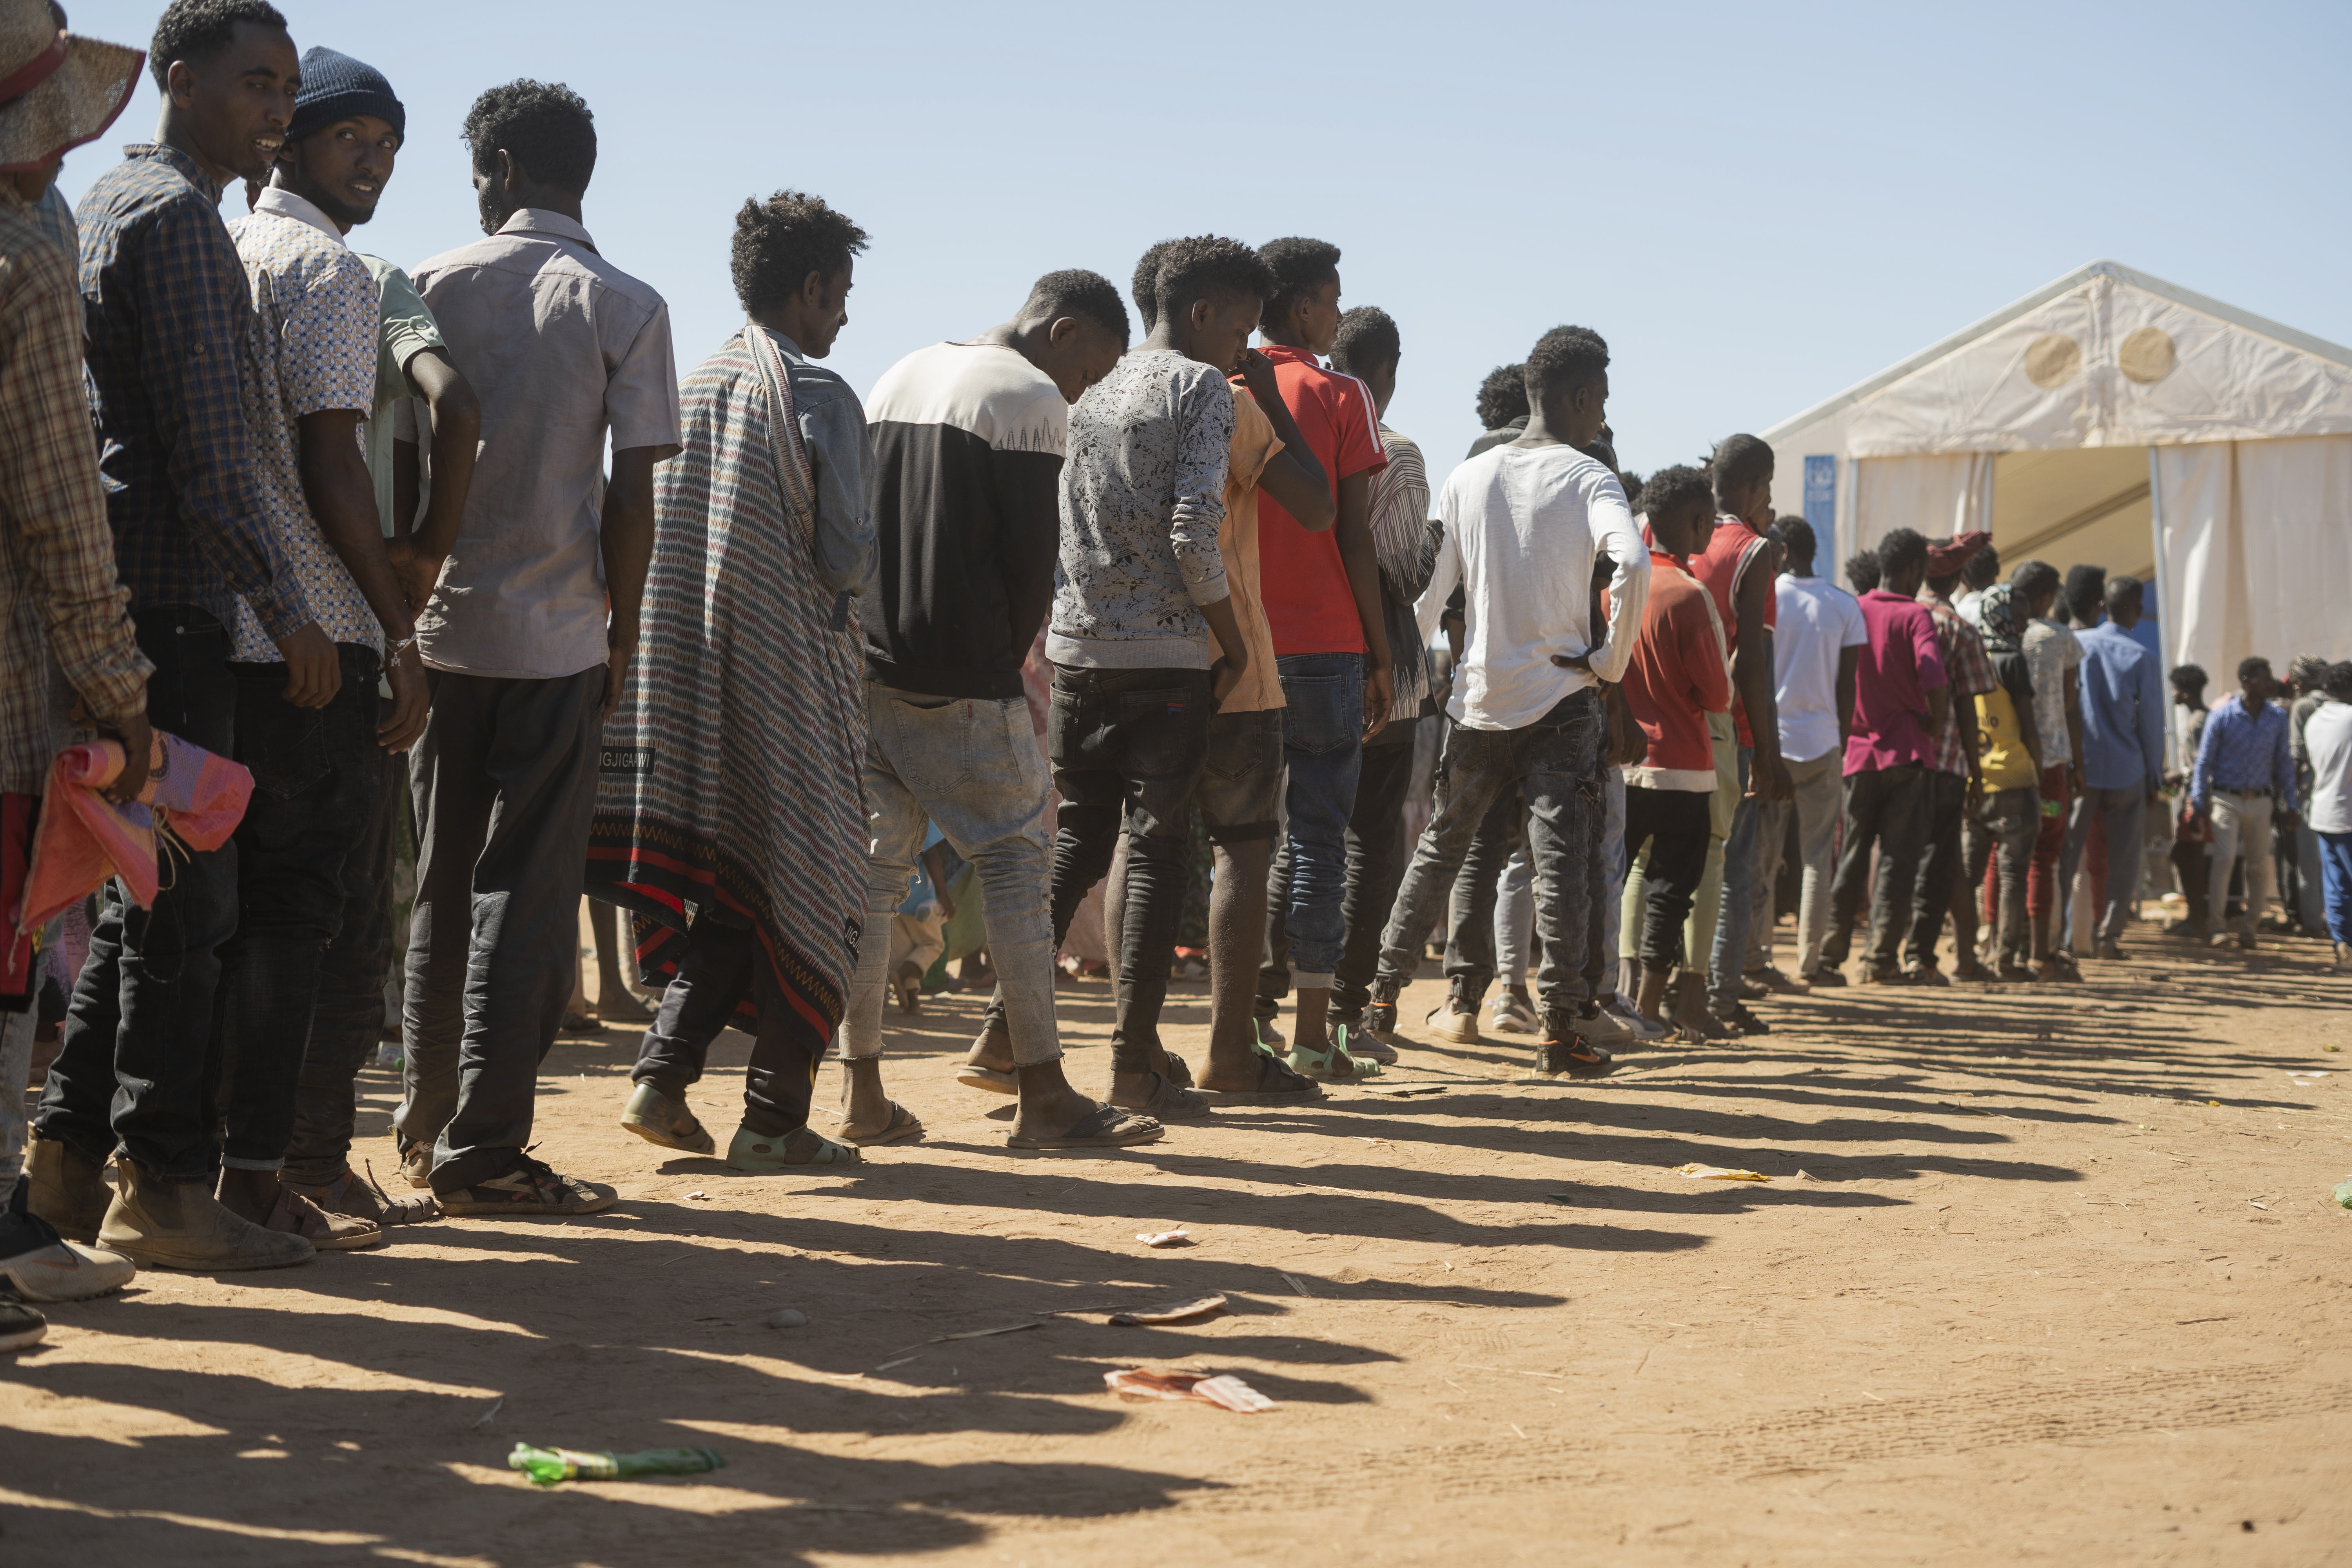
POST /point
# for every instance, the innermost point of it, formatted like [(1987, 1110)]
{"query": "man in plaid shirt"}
[(1955, 783), (165, 306)]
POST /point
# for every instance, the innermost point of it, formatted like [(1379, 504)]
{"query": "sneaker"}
[(64, 1189), (42, 1266), (1775, 982), (1753, 989), (1448, 1024), (416, 1163), (1563, 1053), (1738, 1019), (2012, 973), (1887, 974), (1639, 1031), (1971, 973), (530, 1188), (1929, 974), (2246, 940), (1601, 1027), (2051, 971), (1826, 978), (20, 1326), (1513, 1015), (662, 1119), (2111, 949), (1366, 1047), (1379, 1013), (181, 1224)]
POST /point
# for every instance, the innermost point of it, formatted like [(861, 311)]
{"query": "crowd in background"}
[(1092, 621)]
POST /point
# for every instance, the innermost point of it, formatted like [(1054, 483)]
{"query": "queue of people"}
[(1049, 598)]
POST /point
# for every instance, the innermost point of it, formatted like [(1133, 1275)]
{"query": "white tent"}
[(2115, 420)]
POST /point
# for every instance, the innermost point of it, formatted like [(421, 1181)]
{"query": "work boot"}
[(67, 1190), (41, 1266), (181, 1224)]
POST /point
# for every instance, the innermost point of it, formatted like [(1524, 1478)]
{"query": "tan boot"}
[(180, 1225), (67, 1191)]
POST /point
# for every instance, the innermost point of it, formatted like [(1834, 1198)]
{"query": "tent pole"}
[(2167, 636)]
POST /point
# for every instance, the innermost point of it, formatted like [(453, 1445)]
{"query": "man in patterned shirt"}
[(1955, 782), (309, 364), (165, 306)]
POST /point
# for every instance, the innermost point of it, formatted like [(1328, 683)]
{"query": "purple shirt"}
[(1899, 666)]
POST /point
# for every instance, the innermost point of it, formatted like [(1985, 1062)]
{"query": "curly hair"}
[(1145, 285), (1564, 359), (1676, 486), (1208, 266), (778, 242), (1862, 571), (1503, 396), (1368, 340), (1901, 549), (543, 126), (198, 31), (1299, 265), (1078, 292)]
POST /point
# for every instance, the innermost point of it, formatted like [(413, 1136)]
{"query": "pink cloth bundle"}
[(84, 838)]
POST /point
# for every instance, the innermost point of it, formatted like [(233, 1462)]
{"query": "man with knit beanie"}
[(308, 851)]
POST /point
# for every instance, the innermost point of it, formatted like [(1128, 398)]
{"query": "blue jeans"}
[(2335, 882), (1730, 955), (131, 1070), (1554, 763), (1323, 746)]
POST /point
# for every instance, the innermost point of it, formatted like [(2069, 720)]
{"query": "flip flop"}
[(1107, 1127), (1323, 1065), (902, 1126), (972, 1075), (1295, 1089)]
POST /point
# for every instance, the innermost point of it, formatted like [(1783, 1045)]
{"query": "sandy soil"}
[(1987, 1309)]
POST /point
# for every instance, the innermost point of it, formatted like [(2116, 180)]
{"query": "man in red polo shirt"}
[(1322, 592)]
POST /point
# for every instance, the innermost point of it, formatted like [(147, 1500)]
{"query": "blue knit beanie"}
[(336, 87)]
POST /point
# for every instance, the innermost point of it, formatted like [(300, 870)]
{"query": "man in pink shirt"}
[(1900, 699)]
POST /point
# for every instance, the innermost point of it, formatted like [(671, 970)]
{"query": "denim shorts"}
[(1240, 791)]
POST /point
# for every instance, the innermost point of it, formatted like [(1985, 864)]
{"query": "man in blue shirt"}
[(2242, 758), (2123, 754)]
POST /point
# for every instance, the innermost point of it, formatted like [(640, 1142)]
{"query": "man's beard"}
[(340, 212), (490, 202)]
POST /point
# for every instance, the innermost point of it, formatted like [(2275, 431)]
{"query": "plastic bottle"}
[(552, 1467)]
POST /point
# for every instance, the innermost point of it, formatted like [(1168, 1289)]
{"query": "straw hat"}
[(57, 90)]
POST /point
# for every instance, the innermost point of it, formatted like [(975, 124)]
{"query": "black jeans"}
[(139, 1029), (1128, 746), (1554, 764), (1676, 824), (721, 970), (1947, 797), (318, 778), (347, 1019), (1470, 913), (1376, 851), (1887, 807), (505, 781)]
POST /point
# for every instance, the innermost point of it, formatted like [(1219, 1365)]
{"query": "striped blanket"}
[(730, 768)]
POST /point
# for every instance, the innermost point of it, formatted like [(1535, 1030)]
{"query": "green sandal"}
[(798, 1150), (1320, 1065)]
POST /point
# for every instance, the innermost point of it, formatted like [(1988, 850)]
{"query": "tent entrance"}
[(2089, 506)]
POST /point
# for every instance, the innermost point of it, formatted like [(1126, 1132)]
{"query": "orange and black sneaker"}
[(1565, 1053)]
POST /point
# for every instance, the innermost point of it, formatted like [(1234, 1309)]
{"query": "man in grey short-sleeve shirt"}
[(527, 638)]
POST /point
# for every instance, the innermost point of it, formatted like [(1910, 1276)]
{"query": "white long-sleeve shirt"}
[(1523, 527)]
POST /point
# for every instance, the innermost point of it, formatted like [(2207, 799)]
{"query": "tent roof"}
[(2246, 321)]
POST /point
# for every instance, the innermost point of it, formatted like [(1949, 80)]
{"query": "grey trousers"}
[(504, 783), (1819, 796)]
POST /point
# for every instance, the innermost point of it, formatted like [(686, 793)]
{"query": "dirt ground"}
[(1987, 1309)]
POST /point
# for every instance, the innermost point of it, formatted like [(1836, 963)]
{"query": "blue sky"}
[(1756, 206)]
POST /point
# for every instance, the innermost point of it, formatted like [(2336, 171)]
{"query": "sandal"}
[(1107, 1127), (972, 1075), (901, 1127), (1324, 1065), (295, 1214), (1168, 1100), (1277, 1085)]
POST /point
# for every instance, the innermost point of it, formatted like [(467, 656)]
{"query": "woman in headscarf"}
[(2010, 813)]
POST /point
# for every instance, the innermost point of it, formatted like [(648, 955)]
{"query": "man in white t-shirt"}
[(2328, 740), (1816, 644), (1524, 522)]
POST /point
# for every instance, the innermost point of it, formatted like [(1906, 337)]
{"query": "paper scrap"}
[(1179, 1237), (1718, 1174), (1225, 1390), (1169, 1312)]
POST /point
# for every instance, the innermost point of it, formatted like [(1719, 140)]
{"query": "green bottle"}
[(550, 1466)]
